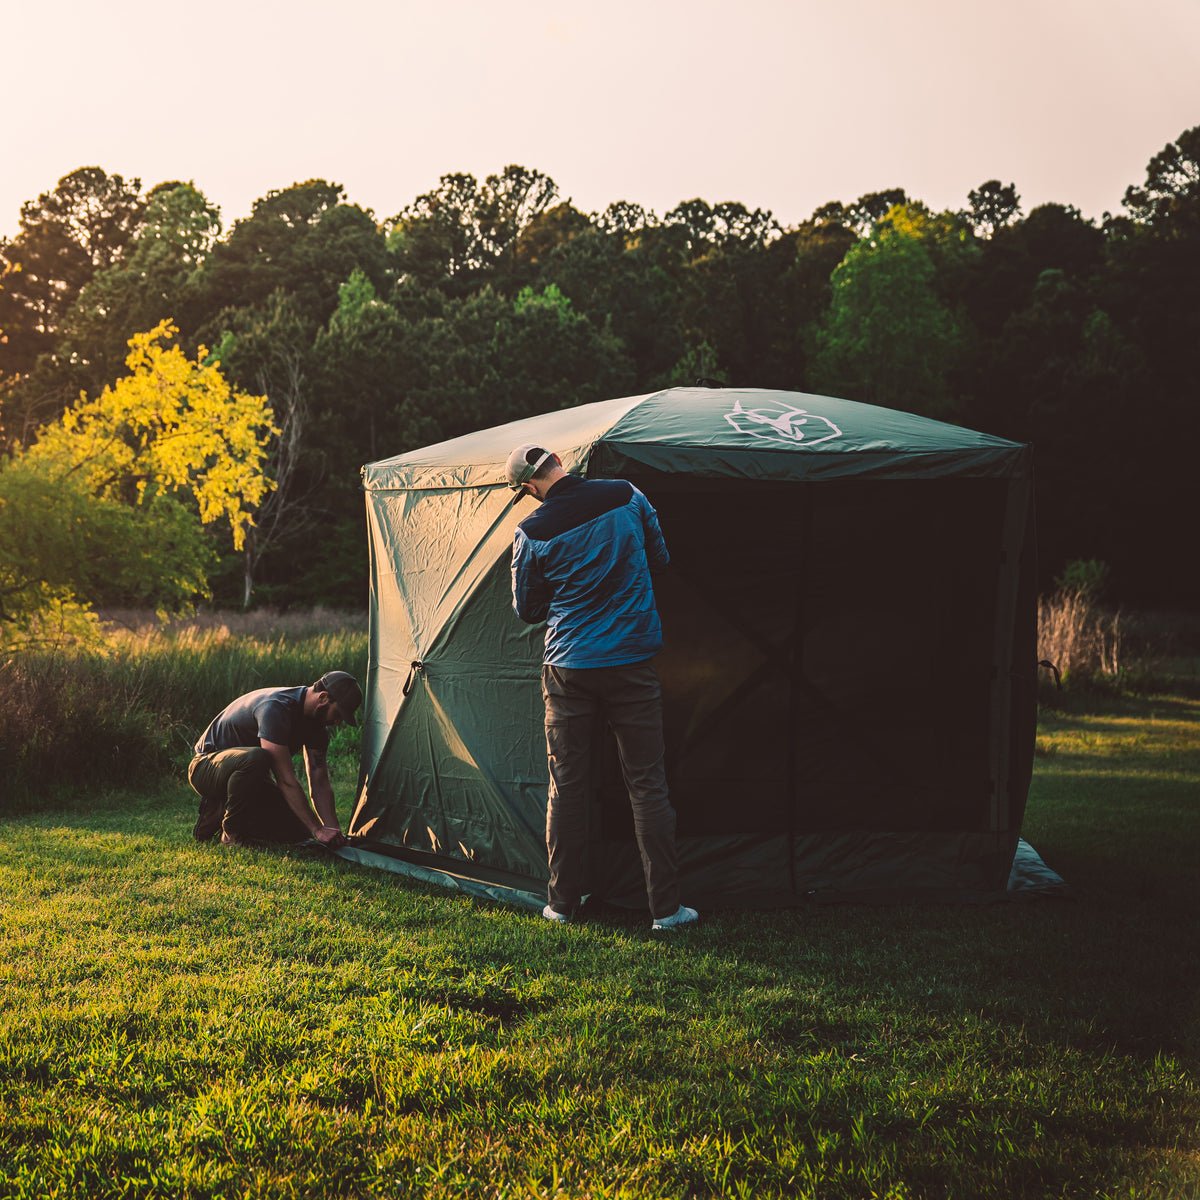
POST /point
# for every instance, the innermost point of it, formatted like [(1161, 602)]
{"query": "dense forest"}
[(481, 302)]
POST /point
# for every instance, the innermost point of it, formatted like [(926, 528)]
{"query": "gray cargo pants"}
[(631, 699)]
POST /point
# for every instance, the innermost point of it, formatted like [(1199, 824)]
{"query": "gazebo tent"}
[(849, 671)]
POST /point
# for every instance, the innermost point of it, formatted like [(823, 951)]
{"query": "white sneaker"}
[(681, 916), (553, 915)]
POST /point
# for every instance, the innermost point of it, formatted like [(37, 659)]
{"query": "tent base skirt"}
[(431, 868), (1029, 879)]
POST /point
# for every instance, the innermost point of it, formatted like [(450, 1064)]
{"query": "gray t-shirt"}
[(270, 714)]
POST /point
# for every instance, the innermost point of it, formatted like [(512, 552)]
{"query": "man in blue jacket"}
[(582, 564)]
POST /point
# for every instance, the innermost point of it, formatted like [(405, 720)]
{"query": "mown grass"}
[(184, 1020)]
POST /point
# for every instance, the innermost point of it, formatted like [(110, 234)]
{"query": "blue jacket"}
[(582, 564)]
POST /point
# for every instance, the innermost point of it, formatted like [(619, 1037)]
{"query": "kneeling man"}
[(243, 771)]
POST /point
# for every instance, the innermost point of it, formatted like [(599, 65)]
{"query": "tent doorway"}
[(829, 657)]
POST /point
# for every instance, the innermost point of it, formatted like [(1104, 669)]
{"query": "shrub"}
[(1086, 577)]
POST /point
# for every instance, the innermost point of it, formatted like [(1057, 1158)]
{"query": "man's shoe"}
[(208, 819), (681, 916), (552, 914)]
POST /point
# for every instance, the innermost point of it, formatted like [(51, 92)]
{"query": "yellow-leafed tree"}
[(106, 506)]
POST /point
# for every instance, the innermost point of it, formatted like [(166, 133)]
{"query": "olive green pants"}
[(240, 781)]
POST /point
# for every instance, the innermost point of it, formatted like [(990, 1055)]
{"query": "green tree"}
[(889, 338), (305, 241), (66, 236), (547, 355), (1001, 279), (874, 206), (262, 297), (1064, 377), (63, 548), (699, 285), (433, 366), (547, 230), (149, 284), (1170, 197), (1149, 283), (83, 226), (625, 219), (860, 216), (992, 206), (698, 363), (626, 280), (463, 233), (272, 345), (359, 354), (704, 227), (818, 246)]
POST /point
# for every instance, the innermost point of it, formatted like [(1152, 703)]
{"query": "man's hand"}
[(330, 837)]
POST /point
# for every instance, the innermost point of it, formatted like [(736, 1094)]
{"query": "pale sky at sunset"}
[(780, 104)]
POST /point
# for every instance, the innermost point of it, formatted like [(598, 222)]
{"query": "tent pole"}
[(796, 676), (1016, 513)]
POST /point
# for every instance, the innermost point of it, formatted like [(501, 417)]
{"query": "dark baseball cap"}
[(345, 691)]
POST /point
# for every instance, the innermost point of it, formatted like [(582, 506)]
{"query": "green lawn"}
[(183, 1020)]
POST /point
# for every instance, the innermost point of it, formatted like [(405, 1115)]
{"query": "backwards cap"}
[(524, 463)]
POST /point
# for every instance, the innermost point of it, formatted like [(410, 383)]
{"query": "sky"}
[(778, 104)]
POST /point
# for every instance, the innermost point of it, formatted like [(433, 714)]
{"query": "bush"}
[(1086, 577)]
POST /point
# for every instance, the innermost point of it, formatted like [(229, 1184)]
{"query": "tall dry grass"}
[(132, 706), (261, 624), (1078, 636)]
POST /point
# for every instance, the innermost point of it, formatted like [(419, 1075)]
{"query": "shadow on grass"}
[(1176, 704)]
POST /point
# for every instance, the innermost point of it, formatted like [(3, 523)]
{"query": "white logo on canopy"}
[(773, 419)]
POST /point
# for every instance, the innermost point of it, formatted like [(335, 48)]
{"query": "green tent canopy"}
[(849, 671)]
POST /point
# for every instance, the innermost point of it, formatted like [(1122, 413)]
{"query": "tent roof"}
[(746, 433)]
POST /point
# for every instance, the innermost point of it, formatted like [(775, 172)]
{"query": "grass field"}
[(183, 1020)]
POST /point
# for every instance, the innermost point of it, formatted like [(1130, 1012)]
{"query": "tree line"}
[(484, 301)]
